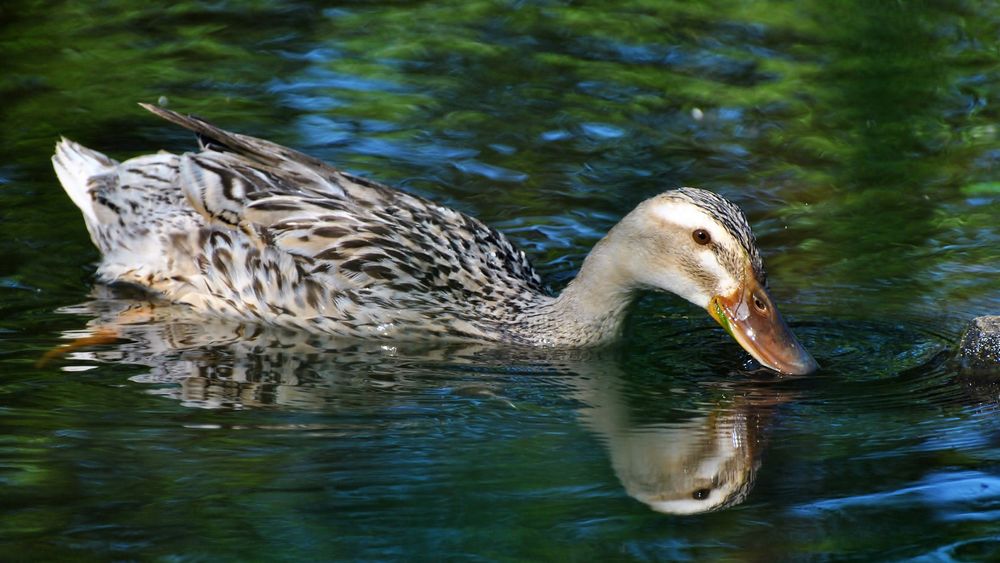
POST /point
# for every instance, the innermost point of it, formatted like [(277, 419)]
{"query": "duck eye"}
[(701, 236), (701, 494), (759, 304)]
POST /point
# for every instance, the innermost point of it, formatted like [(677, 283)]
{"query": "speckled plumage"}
[(249, 229)]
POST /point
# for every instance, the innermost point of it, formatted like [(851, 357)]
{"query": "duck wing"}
[(294, 235)]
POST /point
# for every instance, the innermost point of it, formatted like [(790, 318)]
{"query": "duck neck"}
[(592, 308)]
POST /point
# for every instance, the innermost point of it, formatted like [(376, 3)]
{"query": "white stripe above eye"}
[(689, 216)]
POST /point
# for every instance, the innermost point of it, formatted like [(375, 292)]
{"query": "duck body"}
[(293, 242), (252, 230)]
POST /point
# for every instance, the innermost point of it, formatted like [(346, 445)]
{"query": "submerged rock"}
[(979, 349)]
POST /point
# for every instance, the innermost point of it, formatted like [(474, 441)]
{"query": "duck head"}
[(699, 246)]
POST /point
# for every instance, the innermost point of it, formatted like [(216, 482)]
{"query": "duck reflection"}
[(698, 464), (691, 460)]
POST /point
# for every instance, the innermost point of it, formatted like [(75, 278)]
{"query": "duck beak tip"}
[(750, 317)]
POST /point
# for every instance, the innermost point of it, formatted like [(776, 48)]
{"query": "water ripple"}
[(950, 495)]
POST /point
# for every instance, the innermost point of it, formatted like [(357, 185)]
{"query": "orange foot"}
[(99, 336)]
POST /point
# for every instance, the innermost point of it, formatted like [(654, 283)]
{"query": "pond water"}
[(860, 138)]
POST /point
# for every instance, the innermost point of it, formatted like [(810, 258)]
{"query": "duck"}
[(248, 229)]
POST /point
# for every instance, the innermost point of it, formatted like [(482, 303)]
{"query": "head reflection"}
[(706, 460), (699, 465)]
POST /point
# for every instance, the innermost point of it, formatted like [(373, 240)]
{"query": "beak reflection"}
[(750, 317)]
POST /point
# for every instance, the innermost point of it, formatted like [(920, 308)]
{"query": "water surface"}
[(860, 138)]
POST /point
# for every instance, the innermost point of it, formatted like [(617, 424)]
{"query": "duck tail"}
[(217, 139), (77, 168)]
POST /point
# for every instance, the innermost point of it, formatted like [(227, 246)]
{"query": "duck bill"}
[(750, 317)]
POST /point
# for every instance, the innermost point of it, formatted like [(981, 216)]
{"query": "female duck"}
[(249, 229)]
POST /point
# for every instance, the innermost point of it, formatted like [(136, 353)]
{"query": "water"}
[(860, 138)]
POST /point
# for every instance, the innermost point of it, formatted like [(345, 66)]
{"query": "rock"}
[(979, 349)]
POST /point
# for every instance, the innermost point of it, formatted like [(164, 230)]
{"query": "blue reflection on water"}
[(960, 495)]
